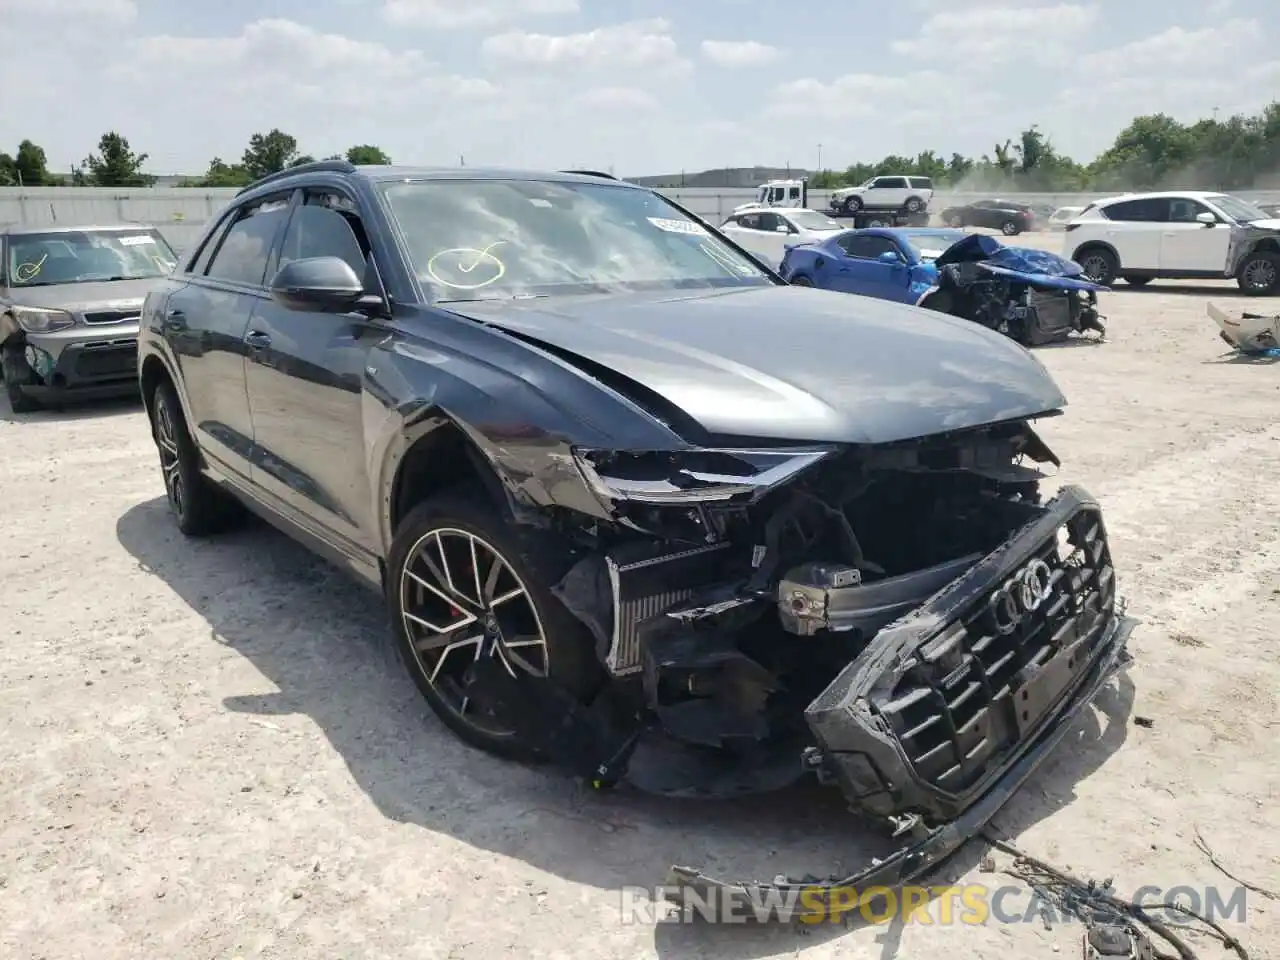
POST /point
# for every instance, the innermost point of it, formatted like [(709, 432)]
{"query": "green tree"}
[(367, 153), (223, 174), (115, 164), (269, 153)]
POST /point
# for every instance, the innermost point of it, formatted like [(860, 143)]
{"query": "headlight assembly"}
[(39, 320), (690, 476)]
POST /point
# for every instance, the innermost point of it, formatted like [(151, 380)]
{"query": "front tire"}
[(1259, 274), (18, 374), (463, 583), (852, 204), (801, 281), (1010, 228), (197, 506)]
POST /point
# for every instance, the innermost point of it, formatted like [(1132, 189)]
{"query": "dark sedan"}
[(634, 504), (1009, 217)]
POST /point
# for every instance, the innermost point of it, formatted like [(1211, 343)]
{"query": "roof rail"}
[(314, 166), (591, 173)]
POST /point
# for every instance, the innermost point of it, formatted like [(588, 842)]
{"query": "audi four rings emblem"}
[(1022, 593)]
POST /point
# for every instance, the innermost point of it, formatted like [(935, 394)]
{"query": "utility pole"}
[(819, 158)]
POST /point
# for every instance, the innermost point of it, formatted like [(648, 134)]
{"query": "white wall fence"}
[(180, 212)]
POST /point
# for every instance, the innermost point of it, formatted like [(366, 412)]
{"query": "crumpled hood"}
[(1037, 267), (78, 297), (792, 362)]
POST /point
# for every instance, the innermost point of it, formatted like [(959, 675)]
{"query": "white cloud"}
[(458, 14), (744, 53), (993, 34), (640, 43), (617, 98), (1172, 52)]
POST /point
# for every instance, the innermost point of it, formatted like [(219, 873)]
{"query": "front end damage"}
[(1030, 295), (1253, 334), (909, 622)]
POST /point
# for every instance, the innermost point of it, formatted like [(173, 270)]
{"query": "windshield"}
[(86, 256), (497, 239), (1237, 209), (812, 220), (931, 244)]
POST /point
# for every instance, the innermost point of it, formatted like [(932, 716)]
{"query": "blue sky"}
[(640, 87)]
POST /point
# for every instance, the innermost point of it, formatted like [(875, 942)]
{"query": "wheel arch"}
[(1265, 245)]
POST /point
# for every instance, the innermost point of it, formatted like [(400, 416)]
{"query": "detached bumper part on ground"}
[(1253, 334)]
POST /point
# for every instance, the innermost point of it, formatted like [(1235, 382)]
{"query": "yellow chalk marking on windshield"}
[(29, 271), (479, 255)]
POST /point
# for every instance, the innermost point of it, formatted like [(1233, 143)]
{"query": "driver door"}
[(308, 369), (1186, 244), (861, 271)]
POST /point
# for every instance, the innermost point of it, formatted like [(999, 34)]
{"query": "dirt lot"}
[(207, 750)]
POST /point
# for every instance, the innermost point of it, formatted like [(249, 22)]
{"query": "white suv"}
[(1179, 235), (911, 194)]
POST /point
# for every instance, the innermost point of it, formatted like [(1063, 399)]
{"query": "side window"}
[(201, 263), (1146, 210), (1185, 210), (325, 225), (879, 183), (921, 183), (868, 247), (750, 220), (892, 183), (242, 255), (769, 222), (794, 193)]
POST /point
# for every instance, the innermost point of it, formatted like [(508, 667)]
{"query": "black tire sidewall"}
[(852, 204), (1271, 258), (571, 660), (16, 374), (1109, 258), (204, 510)]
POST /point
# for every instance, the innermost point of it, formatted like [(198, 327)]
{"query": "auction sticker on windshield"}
[(678, 226), (136, 241)]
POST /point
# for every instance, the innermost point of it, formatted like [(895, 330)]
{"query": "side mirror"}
[(318, 285), (889, 257), (782, 228), (1207, 218)]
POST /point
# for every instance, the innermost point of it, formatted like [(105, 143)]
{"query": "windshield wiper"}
[(517, 296)]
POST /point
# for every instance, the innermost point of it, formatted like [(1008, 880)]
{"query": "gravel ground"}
[(207, 750)]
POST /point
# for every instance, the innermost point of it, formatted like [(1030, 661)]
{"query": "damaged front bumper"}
[(948, 710), (1250, 333), (926, 847)]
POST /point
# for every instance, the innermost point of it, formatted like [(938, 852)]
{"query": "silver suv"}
[(69, 304)]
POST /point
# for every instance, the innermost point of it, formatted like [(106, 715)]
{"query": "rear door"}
[(887, 193), (749, 233), (204, 322), (305, 376), (1134, 228), (1187, 245)]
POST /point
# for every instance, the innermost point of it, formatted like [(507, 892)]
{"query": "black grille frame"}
[(873, 751), (972, 696)]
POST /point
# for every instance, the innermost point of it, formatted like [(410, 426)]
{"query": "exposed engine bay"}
[(1030, 295), (896, 619)]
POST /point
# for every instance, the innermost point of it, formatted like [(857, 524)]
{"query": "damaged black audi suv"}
[(637, 506)]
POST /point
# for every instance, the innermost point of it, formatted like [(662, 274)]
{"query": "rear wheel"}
[(1099, 265), (914, 205), (18, 374), (1010, 228), (801, 281), (198, 507), (464, 585), (953, 220), (1259, 274)]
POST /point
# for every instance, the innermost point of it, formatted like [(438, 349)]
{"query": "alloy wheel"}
[(170, 459), (1259, 275), (1095, 267), (461, 601)]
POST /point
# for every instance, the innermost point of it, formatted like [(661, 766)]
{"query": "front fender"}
[(522, 409)]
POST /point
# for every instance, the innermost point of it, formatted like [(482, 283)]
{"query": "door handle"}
[(257, 340)]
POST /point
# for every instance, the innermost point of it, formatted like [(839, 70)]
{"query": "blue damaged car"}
[(1031, 295)]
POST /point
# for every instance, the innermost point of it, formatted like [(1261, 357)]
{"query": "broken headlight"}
[(690, 476)]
